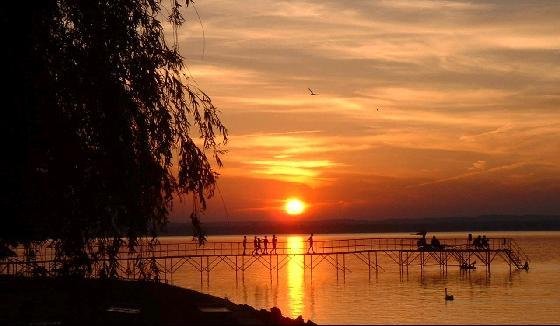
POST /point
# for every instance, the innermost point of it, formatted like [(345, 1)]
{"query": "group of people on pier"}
[(435, 244), (480, 242), (260, 246)]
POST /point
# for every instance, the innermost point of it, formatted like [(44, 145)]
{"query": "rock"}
[(276, 313)]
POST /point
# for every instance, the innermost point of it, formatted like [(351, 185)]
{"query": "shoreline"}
[(484, 223), (57, 301)]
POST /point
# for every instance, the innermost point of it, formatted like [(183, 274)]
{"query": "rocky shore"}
[(25, 301)]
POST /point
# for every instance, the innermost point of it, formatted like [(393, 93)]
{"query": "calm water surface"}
[(518, 297)]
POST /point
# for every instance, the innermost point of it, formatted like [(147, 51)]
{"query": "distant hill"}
[(478, 223)]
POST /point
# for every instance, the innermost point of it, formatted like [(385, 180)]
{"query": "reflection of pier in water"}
[(404, 252)]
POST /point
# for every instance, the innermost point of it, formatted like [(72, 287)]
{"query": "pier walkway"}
[(405, 252)]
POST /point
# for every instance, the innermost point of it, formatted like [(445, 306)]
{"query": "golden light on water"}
[(295, 277), (294, 206)]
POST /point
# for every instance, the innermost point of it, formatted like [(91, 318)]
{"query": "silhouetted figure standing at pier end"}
[(310, 240)]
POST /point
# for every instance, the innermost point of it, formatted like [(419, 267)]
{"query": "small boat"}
[(468, 266)]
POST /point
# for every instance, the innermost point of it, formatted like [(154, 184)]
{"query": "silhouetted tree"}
[(99, 126)]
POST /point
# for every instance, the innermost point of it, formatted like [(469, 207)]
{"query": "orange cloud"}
[(468, 107)]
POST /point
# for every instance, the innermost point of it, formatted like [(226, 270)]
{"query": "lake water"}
[(519, 297)]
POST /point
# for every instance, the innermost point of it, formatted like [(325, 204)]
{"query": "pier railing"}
[(403, 251), (299, 247), (337, 246)]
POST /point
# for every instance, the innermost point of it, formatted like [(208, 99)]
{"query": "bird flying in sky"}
[(310, 91)]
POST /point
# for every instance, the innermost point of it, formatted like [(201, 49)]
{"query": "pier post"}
[(400, 263), (236, 269), (488, 260), (207, 270), (446, 259), (303, 265), (344, 267), (243, 269), (376, 265), (165, 270), (201, 270), (311, 266), (407, 253), (336, 266), (277, 268), (369, 266), (270, 267), (421, 262)]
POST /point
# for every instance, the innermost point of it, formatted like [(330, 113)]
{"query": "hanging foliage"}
[(104, 127)]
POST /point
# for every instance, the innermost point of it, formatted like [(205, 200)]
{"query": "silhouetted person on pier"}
[(435, 243), (484, 243), (477, 242), (258, 246), (422, 243), (244, 244), (274, 243), (255, 246), (265, 241), (310, 239), (469, 240)]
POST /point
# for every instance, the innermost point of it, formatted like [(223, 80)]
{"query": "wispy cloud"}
[(433, 5), (478, 165), (478, 171)]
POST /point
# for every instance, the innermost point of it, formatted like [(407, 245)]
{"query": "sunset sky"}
[(425, 108)]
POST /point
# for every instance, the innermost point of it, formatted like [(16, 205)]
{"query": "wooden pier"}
[(404, 252)]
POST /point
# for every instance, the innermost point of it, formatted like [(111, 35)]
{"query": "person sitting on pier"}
[(265, 241), (422, 244), (484, 243), (274, 243), (477, 243), (436, 245), (310, 239), (244, 244)]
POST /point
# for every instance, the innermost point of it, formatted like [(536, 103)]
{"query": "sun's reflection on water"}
[(295, 279)]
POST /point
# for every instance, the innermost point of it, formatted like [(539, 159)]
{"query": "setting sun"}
[(294, 206)]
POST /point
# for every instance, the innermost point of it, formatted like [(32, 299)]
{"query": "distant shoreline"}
[(431, 224)]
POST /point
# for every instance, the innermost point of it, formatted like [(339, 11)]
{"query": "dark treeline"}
[(433, 224)]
